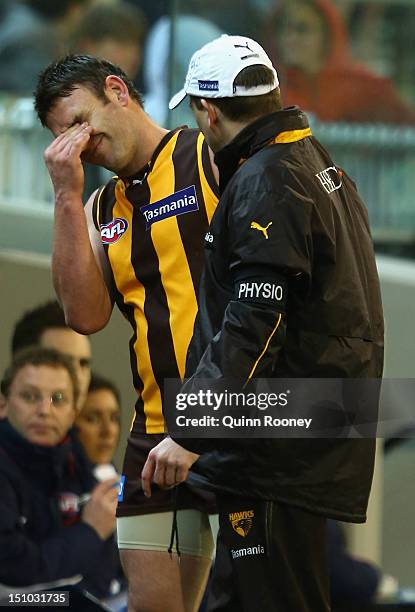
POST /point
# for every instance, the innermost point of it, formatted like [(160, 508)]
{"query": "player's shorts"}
[(131, 499), (153, 532)]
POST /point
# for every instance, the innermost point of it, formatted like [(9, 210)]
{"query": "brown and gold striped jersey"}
[(152, 227)]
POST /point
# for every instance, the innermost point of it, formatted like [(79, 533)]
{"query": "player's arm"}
[(78, 275)]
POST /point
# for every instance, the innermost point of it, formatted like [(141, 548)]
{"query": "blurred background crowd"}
[(350, 65)]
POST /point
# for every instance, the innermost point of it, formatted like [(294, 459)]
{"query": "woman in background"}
[(308, 40), (98, 424)]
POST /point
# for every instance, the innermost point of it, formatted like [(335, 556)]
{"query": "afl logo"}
[(112, 232)]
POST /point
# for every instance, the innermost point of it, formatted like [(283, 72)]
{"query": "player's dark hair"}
[(29, 329), (39, 356), (62, 77), (248, 107)]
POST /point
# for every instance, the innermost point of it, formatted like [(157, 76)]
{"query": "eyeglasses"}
[(58, 399)]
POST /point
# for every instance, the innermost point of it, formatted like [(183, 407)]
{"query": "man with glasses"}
[(54, 523), (45, 325)]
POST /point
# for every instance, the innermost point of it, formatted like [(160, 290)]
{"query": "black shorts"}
[(132, 501), (269, 556)]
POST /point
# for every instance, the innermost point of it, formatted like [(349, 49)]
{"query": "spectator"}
[(351, 580), (354, 581), (308, 41), (190, 32), (153, 10), (45, 326), (98, 423), (114, 32), (32, 33), (46, 534), (21, 29), (61, 17)]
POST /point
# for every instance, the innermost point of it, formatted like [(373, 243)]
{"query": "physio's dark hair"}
[(39, 356), (60, 79), (99, 383), (248, 107), (29, 329)]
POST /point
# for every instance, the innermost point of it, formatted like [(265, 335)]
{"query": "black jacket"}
[(42, 539), (290, 218)]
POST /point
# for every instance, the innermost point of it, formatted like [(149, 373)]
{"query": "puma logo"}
[(264, 230)]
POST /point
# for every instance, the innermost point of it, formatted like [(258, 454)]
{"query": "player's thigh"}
[(153, 532), (152, 572), (154, 583)]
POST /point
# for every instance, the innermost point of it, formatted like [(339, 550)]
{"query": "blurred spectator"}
[(98, 423), (45, 326), (190, 32), (351, 580), (238, 18), (153, 10), (307, 39), (24, 48), (55, 523), (33, 33), (62, 16), (112, 31), (354, 581)]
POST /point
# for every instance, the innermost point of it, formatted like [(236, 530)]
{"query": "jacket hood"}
[(338, 49)]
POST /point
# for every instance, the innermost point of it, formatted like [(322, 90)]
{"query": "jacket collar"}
[(255, 137), (33, 458)]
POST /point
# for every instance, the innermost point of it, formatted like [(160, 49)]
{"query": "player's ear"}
[(116, 90)]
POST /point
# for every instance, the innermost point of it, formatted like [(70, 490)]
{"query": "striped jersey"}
[(152, 227)]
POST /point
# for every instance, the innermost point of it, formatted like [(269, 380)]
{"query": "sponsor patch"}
[(242, 521), (261, 228), (69, 503), (208, 85), (264, 291), (69, 508), (178, 203), (121, 488), (111, 232), (247, 552), (330, 179), (209, 241)]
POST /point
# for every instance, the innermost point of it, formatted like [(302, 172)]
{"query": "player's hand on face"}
[(167, 465), (63, 160)]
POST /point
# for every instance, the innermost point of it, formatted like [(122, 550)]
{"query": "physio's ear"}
[(212, 112)]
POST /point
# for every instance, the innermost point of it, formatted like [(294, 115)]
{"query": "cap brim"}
[(177, 98)]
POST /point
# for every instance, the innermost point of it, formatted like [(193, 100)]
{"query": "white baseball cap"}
[(214, 68)]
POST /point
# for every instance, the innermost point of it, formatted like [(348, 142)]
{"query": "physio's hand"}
[(99, 511), (167, 465), (63, 160)]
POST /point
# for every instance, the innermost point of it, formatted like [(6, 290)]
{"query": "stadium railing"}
[(380, 158)]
